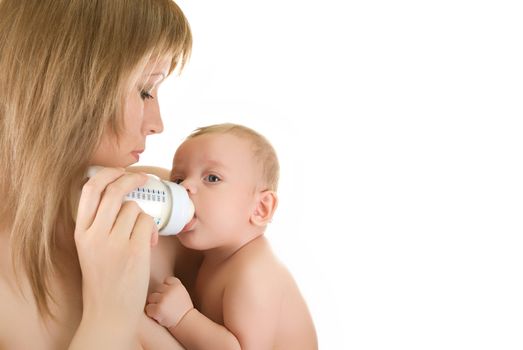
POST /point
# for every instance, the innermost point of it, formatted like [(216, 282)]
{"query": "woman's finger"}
[(154, 237), (142, 232), (91, 195), (112, 200), (126, 220)]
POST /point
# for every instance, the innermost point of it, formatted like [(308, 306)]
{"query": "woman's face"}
[(141, 118)]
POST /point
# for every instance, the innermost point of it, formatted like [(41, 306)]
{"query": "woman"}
[(78, 86)]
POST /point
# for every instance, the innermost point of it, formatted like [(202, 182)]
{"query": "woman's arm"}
[(100, 332), (153, 336)]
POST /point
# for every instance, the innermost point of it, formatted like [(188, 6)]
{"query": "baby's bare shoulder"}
[(256, 265), (262, 303)]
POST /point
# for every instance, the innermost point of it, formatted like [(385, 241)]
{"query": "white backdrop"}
[(398, 128)]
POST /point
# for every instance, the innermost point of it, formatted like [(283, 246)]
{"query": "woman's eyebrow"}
[(163, 75), (160, 73), (147, 77)]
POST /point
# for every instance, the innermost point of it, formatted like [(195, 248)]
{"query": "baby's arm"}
[(251, 308), (171, 306), (250, 313)]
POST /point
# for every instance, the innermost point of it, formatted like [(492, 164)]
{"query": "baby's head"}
[(231, 173)]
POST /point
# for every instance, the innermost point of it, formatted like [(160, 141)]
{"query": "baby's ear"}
[(266, 203)]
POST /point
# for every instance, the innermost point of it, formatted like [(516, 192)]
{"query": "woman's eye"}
[(212, 178), (145, 95)]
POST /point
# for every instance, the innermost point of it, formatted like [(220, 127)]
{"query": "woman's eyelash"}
[(146, 95)]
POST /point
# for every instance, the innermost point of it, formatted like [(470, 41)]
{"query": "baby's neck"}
[(221, 254)]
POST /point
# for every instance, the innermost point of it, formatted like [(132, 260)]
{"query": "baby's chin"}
[(188, 239), (193, 239)]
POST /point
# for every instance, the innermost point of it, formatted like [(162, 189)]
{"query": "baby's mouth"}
[(189, 225)]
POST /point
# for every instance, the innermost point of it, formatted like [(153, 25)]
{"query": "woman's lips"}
[(136, 154)]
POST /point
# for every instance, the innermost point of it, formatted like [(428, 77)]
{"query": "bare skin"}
[(243, 297), (20, 326), (254, 272)]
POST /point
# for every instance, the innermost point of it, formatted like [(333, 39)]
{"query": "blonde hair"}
[(261, 147), (65, 67)]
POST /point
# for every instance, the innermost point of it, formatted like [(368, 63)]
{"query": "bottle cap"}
[(182, 210)]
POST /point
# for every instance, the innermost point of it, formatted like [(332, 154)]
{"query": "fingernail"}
[(154, 237)]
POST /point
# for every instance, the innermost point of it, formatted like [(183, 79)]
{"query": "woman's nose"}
[(153, 123)]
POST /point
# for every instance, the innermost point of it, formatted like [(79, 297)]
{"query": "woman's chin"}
[(124, 163)]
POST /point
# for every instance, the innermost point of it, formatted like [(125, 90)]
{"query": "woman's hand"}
[(113, 240)]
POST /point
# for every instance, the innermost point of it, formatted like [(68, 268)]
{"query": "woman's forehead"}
[(157, 67)]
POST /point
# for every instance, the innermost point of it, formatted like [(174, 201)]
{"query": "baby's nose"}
[(190, 187)]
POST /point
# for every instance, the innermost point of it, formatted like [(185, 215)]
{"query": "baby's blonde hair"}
[(65, 67), (261, 147)]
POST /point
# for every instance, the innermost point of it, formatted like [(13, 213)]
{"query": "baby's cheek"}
[(233, 221)]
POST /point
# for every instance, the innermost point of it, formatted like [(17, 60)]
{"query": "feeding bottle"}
[(168, 203)]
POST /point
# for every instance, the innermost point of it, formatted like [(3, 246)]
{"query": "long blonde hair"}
[(65, 67)]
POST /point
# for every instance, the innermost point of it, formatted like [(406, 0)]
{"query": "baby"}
[(243, 298)]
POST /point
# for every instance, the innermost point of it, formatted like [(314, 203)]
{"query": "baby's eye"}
[(145, 95), (212, 178)]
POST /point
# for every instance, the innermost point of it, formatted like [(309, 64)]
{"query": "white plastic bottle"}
[(168, 203)]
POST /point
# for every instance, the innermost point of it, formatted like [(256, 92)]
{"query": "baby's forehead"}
[(215, 149), (224, 143)]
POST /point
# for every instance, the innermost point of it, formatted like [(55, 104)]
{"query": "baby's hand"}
[(170, 303)]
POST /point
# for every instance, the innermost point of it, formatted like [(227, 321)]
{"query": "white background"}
[(398, 128)]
